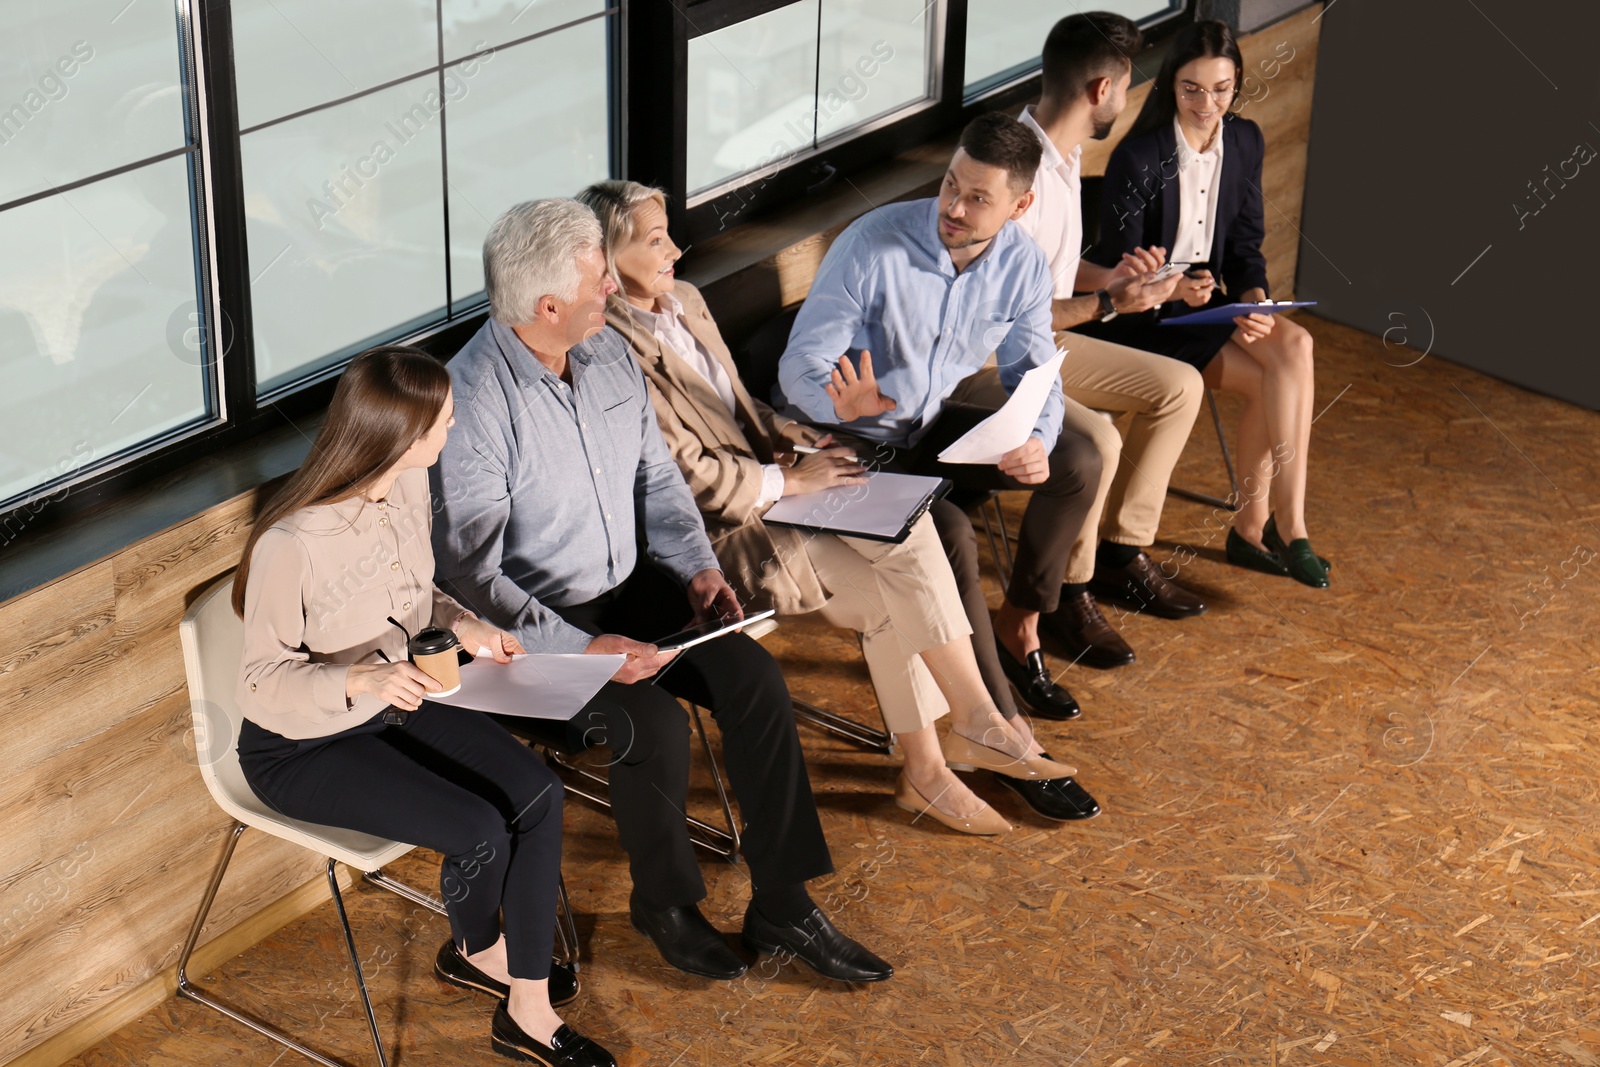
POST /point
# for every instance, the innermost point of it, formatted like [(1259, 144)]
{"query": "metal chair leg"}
[(1234, 502), (701, 834), (189, 991), (401, 889), (848, 729), (355, 962), (1001, 551), (566, 926), (716, 778)]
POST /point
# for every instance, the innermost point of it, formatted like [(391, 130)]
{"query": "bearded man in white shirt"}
[(1087, 67)]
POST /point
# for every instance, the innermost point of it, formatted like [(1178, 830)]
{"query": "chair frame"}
[(1234, 502)]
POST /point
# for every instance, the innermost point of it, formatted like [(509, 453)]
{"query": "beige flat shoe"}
[(984, 822), (964, 754)]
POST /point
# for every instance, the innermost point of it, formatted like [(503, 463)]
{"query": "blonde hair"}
[(614, 203)]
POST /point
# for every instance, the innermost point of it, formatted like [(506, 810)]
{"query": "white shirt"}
[(672, 333), (1199, 174), (1055, 220)]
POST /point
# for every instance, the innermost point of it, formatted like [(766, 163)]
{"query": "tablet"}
[(706, 631)]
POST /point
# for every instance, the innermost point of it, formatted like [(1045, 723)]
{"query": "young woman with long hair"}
[(335, 575)]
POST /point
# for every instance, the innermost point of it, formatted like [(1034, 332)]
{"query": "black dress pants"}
[(1055, 513), (647, 732), (447, 779)]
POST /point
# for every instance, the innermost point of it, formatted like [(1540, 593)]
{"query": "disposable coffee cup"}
[(434, 651)]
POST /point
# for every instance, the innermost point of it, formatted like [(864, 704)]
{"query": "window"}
[(194, 249), (1004, 44), (101, 289)]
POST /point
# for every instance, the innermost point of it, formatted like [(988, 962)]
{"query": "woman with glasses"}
[(1187, 177), (902, 599), (337, 730)]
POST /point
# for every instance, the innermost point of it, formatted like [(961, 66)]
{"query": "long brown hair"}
[(387, 399)]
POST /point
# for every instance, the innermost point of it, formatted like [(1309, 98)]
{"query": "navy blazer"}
[(1139, 203)]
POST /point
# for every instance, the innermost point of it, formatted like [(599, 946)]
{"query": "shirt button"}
[(383, 522), (395, 565), (406, 606), (252, 687), (597, 470)]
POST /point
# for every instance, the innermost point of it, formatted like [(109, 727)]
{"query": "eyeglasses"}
[(1193, 93)]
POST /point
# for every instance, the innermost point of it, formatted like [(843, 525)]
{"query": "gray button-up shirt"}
[(540, 482)]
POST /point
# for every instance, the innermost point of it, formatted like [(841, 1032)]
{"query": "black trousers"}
[(1055, 513), (647, 732), (448, 779)]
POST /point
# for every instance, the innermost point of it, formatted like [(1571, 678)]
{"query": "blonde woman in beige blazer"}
[(736, 455)]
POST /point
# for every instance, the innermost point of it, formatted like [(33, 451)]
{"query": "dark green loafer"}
[(1300, 562), (1242, 553)]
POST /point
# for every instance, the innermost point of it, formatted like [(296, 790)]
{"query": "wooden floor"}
[(1342, 827)]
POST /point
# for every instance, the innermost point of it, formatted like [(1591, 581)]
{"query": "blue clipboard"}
[(1225, 313)]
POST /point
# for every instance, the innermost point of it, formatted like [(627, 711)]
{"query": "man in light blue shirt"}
[(925, 291)]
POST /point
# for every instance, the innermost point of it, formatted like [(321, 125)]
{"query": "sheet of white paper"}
[(877, 509), (1009, 427), (532, 686)]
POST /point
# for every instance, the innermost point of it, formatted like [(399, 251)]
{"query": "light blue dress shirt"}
[(538, 486), (887, 285)]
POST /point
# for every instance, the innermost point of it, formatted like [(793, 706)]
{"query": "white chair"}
[(213, 638)]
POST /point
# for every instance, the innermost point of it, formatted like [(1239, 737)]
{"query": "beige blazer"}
[(721, 455)]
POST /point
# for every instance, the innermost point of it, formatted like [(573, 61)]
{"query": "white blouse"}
[(1198, 176)]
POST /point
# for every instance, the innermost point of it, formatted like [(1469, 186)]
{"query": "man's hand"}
[(474, 634), (824, 470), (643, 659), (1195, 289), (856, 396), (1029, 464), (1139, 293), (712, 597), (1140, 261)]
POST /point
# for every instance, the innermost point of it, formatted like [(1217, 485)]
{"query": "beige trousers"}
[(1163, 395), (902, 599)]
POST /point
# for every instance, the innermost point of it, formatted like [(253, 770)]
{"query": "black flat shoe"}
[(1058, 799), (1047, 699), (567, 1047), (1141, 586), (817, 943), (1274, 540), (686, 940), (1242, 553), (451, 966)]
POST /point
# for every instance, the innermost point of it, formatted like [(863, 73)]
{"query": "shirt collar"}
[(657, 320), (1188, 156), (1051, 158)]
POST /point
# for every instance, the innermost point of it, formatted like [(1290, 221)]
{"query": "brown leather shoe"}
[(1141, 586), (1084, 633)]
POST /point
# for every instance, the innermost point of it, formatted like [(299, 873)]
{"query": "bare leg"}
[(529, 1004), (972, 710), (926, 770), (1234, 371)]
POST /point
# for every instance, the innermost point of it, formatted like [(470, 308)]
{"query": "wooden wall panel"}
[(110, 834)]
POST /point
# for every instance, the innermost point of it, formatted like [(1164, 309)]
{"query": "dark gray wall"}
[(1431, 118)]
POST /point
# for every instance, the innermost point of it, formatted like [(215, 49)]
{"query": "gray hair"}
[(614, 204), (531, 252)]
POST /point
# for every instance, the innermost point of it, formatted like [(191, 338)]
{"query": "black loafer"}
[(686, 940), (1242, 553), (1058, 799), (567, 1047), (451, 966), (1311, 569), (1141, 586), (817, 943), (1047, 699)]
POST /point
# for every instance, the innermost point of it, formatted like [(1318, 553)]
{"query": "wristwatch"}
[(1108, 310)]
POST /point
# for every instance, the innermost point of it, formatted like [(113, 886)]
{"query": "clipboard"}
[(1225, 313), (884, 509)]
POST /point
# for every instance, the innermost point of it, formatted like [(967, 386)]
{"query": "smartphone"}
[(1168, 270)]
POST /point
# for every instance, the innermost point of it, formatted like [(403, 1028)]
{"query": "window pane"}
[(508, 145), (293, 54), (345, 219), (86, 86), (873, 60), (97, 302), (752, 94), (472, 25), (1008, 38)]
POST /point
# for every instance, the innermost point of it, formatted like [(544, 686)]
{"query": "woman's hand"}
[(1195, 288), (823, 470), (475, 634), (1253, 328), (400, 684)]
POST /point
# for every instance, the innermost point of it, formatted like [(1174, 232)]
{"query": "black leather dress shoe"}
[(567, 1047), (818, 943), (1141, 585), (1084, 634), (686, 940), (1302, 563), (1059, 799), (1047, 699), (451, 966)]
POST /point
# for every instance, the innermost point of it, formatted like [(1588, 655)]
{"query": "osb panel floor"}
[(1341, 827)]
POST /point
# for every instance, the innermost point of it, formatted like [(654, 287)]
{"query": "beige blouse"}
[(322, 584)]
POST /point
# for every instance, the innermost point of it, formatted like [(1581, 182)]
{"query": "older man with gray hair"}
[(554, 463)]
